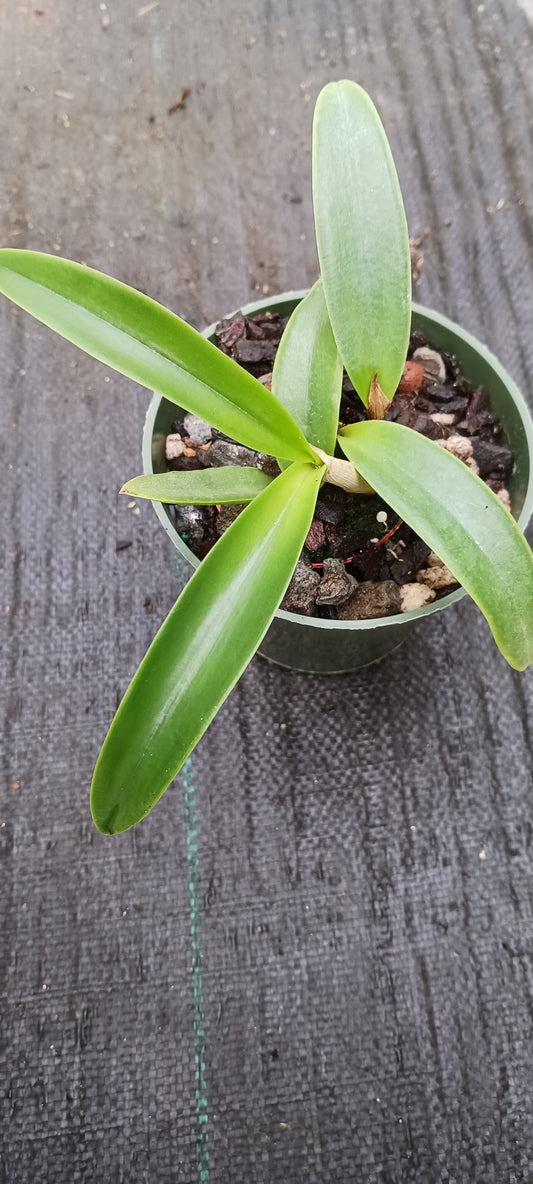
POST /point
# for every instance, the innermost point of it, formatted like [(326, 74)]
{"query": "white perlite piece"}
[(503, 495), (415, 596), (459, 445), (435, 577), (431, 361), (174, 447), (446, 418), (462, 448)]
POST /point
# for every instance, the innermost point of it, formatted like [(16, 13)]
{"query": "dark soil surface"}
[(359, 557)]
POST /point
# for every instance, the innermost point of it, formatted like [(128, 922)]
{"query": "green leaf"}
[(362, 238), (143, 340), (460, 518), (230, 485), (307, 375), (201, 649)]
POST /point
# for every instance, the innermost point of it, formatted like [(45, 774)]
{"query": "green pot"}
[(328, 647)]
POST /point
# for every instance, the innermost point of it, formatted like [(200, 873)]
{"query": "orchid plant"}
[(357, 317)]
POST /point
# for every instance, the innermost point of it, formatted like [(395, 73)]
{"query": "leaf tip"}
[(105, 825)]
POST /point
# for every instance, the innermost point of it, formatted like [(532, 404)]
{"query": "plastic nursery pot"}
[(328, 647)]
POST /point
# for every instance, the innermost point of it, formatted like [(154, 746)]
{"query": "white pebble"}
[(436, 577), (174, 447), (415, 596)]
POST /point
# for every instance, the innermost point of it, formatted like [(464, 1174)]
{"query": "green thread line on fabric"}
[(193, 866)]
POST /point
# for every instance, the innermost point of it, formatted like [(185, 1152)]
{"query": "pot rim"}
[(444, 322)]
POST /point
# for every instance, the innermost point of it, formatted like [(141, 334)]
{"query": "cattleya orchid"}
[(356, 317)]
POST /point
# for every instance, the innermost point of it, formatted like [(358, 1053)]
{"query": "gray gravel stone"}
[(223, 452), (197, 429), (336, 584), (226, 515), (249, 352), (300, 595), (191, 520), (267, 464), (372, 599)]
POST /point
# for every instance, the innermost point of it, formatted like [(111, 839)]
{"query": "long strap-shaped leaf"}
[(150, 344), (307, 375), (362, 238), (201, 649), (461, 519), (229, 485)]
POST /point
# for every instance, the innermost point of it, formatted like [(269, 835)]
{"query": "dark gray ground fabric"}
[(313, 963)]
